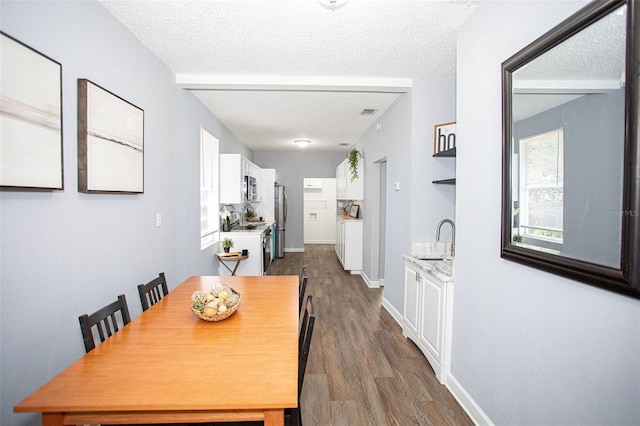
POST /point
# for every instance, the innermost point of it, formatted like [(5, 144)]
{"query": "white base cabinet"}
[(349, 243), (428, 310)]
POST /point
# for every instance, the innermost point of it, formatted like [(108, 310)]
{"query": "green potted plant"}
[(227, 243), (354, 157)]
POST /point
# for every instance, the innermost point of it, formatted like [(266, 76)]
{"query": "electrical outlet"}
[(158, 219)]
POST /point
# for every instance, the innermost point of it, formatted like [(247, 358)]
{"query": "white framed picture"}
[(30, 118), (110, 142), (444, 137)]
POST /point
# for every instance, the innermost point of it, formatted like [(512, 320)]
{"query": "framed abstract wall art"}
[(30, 118), (110, 142)]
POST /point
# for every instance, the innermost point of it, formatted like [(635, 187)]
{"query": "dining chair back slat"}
[(105, 322), (304, 342), (302, 287), (153, 291)]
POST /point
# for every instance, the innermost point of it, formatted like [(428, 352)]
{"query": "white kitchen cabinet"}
[(349, 234), (233, 169), (312, 183), (345, 188), (428, 312), (266, 208)]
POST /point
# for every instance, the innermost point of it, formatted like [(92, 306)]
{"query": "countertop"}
[(252, 227), (348, 218), (441, 269)]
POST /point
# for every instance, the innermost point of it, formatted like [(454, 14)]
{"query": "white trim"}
[(397, 315), (368, 282), (295, 83), (470, 406), (294, 250), (321, 241)]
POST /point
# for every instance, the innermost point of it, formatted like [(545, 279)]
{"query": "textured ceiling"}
[(380, 41)]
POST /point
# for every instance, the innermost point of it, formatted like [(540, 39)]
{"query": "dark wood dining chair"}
[(105, 322), (153, 291), (304, 345), (293, 416), (302, 287)]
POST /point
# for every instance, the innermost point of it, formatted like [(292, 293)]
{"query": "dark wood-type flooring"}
[(361, 370)]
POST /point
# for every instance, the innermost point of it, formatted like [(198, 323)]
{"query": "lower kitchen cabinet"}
[(349, 243), (428, 311)]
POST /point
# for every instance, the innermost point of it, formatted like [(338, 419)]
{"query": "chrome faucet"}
[(453, 234)]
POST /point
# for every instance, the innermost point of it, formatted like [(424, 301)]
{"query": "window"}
[(541, 193), (209, 223)]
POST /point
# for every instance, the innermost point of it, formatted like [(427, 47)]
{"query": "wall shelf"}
[(445, 181), (448, 153)]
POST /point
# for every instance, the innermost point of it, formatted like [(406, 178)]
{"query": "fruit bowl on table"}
[(217, 304)]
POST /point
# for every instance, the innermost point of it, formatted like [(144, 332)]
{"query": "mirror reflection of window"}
[(568, 130), (541, 192), (570, 142)]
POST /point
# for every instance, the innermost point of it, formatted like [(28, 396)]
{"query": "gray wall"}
[(292, 168), (529, 347), (393, 142), (63, 253), (405, 140)]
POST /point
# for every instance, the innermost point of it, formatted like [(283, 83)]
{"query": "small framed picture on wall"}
[(444, 137)]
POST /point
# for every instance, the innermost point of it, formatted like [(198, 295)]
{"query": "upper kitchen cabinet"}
[(312, 183), (347, 189), (239, 180)]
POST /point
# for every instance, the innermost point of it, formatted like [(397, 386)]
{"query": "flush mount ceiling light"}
[(333, 4), (302, 143)]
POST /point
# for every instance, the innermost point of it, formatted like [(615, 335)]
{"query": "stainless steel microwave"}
[(250, 188)]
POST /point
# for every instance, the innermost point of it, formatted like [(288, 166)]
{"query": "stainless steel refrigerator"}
[(281, 218)]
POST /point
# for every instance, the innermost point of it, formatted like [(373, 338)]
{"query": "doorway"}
[(319, 206)]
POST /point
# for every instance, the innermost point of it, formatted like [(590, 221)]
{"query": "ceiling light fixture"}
[(333, 4), (302, 143)]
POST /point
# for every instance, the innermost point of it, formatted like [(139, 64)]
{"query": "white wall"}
[(320, 213), (528, 346), (64, 253)]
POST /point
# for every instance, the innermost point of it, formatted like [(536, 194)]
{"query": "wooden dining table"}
[(169, 366)]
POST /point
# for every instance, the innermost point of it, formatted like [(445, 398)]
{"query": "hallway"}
[(361, 370)]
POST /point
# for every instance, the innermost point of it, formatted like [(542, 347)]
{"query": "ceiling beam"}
[(292, 83)]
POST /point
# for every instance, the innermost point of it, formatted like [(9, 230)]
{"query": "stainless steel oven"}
[(266, 250)]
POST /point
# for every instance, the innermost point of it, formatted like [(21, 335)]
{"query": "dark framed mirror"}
[(570, 167)]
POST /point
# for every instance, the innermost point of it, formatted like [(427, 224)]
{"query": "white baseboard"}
[(468, 404), (368, 282), (321, 242), (397, 315), (477, 415)]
